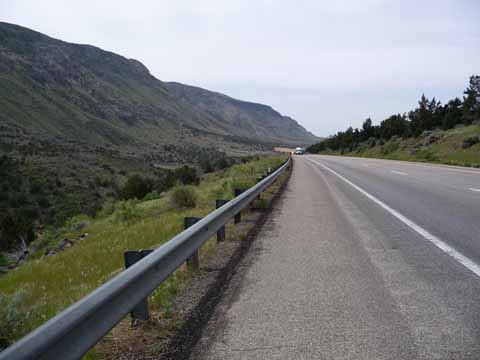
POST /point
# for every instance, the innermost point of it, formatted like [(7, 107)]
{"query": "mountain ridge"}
[(86, 94)]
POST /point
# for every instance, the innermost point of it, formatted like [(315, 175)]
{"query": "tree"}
[(135, 187), (452, 114), (395, 125), (187, 175), (422, 117), (16, 229), (368, 130), (471, 100)]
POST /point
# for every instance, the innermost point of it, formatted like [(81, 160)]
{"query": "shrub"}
[(221, 164), (125, 211), (184, 196), (186, 175), (3, 260), (107, 208), (242, 183), (12, 317), (152, 196), (16, 229), (470, 141), (136, 187), (206, 166), (76, 223)]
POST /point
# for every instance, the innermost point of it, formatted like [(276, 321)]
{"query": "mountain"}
[(61, 93), (76, 122), (245, 119)]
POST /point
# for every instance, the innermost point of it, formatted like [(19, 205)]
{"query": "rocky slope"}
[(244, 119), (59, 92)]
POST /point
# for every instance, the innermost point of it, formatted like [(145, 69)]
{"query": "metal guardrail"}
[(74, 331)]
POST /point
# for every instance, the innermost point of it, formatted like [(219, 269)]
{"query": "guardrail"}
[(74, 331)]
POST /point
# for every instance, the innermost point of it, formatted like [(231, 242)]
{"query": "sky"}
[(328, 64)]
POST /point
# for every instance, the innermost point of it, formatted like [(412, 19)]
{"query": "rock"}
[(64, 244), (433, 138), (426, 133), (50, 252), (459, 126), (371, 142), (470, 141), (80, 225)]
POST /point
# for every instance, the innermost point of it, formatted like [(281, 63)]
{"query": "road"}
[(360, 259)]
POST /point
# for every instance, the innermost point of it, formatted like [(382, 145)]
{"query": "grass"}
[(50, 284), (446, 150)]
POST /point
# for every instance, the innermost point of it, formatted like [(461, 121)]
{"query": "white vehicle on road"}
[(299, 151)]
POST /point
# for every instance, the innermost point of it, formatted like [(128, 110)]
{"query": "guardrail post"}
[(238, 217), (139, 312), (221, 231), (193, 261)]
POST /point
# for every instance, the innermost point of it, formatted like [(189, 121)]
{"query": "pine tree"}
[(471, 100)]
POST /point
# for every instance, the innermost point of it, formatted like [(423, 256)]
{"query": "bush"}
[(76, 223), (125, 211), (242, 183), (16, 229), (136, 187), (107, 208), (187, 175), (206, 166), (3, 260), (152, 196), (470, 141), (221, 164), (12, 317), (184, 196)]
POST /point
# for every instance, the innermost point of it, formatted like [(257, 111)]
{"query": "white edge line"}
[(398, 172), (473, 189), (462, 259)]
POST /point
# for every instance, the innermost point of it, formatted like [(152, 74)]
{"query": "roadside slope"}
[(459, 146)]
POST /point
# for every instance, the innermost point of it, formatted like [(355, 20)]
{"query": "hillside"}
[(245, 119), (459, 146), (62, 92), (447, 133), (77, 121)]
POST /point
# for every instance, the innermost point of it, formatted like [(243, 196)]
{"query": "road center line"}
[(465, 261), (399, 172), (473, 189)]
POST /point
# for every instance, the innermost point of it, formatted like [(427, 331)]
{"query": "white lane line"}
[(454, 168), (462, 259), (399, 172), (473, 189)]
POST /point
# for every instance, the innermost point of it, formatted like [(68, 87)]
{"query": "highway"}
[(360, 259)]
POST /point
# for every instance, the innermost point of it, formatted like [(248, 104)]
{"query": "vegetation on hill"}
[(458, 146), (79, 125), (93, 248), (422, 134), (79, 94), (34, 198)]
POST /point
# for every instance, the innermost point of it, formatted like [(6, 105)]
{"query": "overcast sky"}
[(328, 64)]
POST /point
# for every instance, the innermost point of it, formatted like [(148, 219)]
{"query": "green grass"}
[(50, 284), (446, 150)]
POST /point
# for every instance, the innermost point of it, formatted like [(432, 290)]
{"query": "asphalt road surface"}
[(360, 259)]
